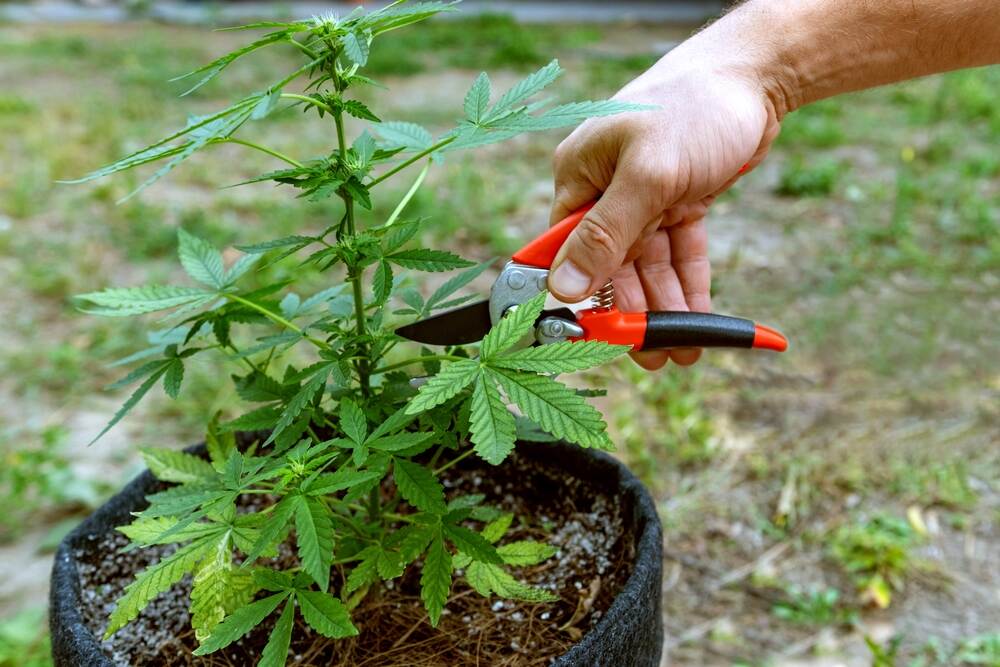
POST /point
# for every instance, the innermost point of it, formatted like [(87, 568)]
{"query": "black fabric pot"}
[(629, 634)]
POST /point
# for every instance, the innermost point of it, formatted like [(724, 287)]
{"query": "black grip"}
[(681, 329)]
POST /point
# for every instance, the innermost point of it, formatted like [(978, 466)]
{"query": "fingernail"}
[(570, 281)]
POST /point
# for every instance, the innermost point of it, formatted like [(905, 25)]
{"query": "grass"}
[(878, 227)]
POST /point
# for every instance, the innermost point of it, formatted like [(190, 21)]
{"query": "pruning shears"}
[(526, 275)]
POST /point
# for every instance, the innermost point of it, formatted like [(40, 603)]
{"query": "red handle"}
[(542, 251)]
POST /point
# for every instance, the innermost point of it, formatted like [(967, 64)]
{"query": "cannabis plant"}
[(342, 454)]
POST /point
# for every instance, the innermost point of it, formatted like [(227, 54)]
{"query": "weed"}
[(877, 555), (885, 654), (799, 179), (814, 606)]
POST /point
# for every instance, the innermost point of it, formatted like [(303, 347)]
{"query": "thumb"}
[(598, 246)]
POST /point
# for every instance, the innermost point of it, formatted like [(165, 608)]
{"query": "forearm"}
[(805, 50)]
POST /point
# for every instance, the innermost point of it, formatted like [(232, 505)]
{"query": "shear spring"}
[(604, 298)]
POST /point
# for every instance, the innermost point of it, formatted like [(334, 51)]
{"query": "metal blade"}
[(460, 326)]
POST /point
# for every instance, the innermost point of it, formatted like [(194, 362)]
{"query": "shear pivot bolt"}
[(542, 282), (516, 280)]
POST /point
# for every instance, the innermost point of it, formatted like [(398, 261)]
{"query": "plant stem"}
[(409, 194), (417, 360), (262, 149), (278, 319), (416, 158), (467, 453), (308, 100)]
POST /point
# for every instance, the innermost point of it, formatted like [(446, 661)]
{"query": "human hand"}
[(654, 175)]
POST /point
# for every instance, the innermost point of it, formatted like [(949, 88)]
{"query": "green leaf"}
[(406, 135), (211, 70), (314, 532), (148, 530), (443, 386), (397, 420), (172, 466), (345, 478), (471, 543), (240, 267), (567, 114), (435, 579), (255, 420), (132, 401), (209, 589), (418, 486), (173, 378), (525, 553), (454, 284), (491, 425), (257, 248), (478, 98), (487, 579), (399, 442), (423, 259), (240, 622), (565, 357), (125, 301), (365, 572), (275, 526), (326, 614), (299, 402), (353, 422), (514, 326), (531, 85), (382, 285), (556, 408), (358, 109), (155, 580), (356, 48), (201, 260), (276, 651), (497, 528)]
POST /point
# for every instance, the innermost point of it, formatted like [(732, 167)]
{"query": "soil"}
[(594, 558)]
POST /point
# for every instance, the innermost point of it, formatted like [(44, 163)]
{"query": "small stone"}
[(497, 606)]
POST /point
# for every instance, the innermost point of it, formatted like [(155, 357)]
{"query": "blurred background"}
[(835, 505)]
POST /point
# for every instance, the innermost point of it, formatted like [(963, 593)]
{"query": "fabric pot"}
[(629, 634)]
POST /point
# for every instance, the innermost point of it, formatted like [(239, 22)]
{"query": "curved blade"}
[(467, 324)]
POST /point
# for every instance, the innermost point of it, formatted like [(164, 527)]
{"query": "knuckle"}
[(597, 235)]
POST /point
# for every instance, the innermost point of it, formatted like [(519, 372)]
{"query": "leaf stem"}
[(308, 100), (467, 453), (417, 360), (416, 158), (262, 149), (278, 319), (409, 194)]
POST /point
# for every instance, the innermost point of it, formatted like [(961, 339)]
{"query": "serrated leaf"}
[(255, 420), (359, 109), (531, 85), (276, 651), (435, 579), (556, 408), (525, 553), (132, 401), (201, 260), (212, 69), (497, 527), (240, 267), (491, 425), (478, 98), (399, 442), (443, 386), (155, 580), (418, 486), (471, 543), (314, 534), (148, 530), (239, 623), (125, 301), (487, 579), (345, 478), (299, 402), (353, 422), (219, 445), (365, 572), (209, 589), (173, 377), (326, 614), (356, 48), (284, 242), (397, 420), (564, 357), (424, 259), (275, 526), (452, 285), (514, 326), (382, 284), (171, 465), (406, 135)]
